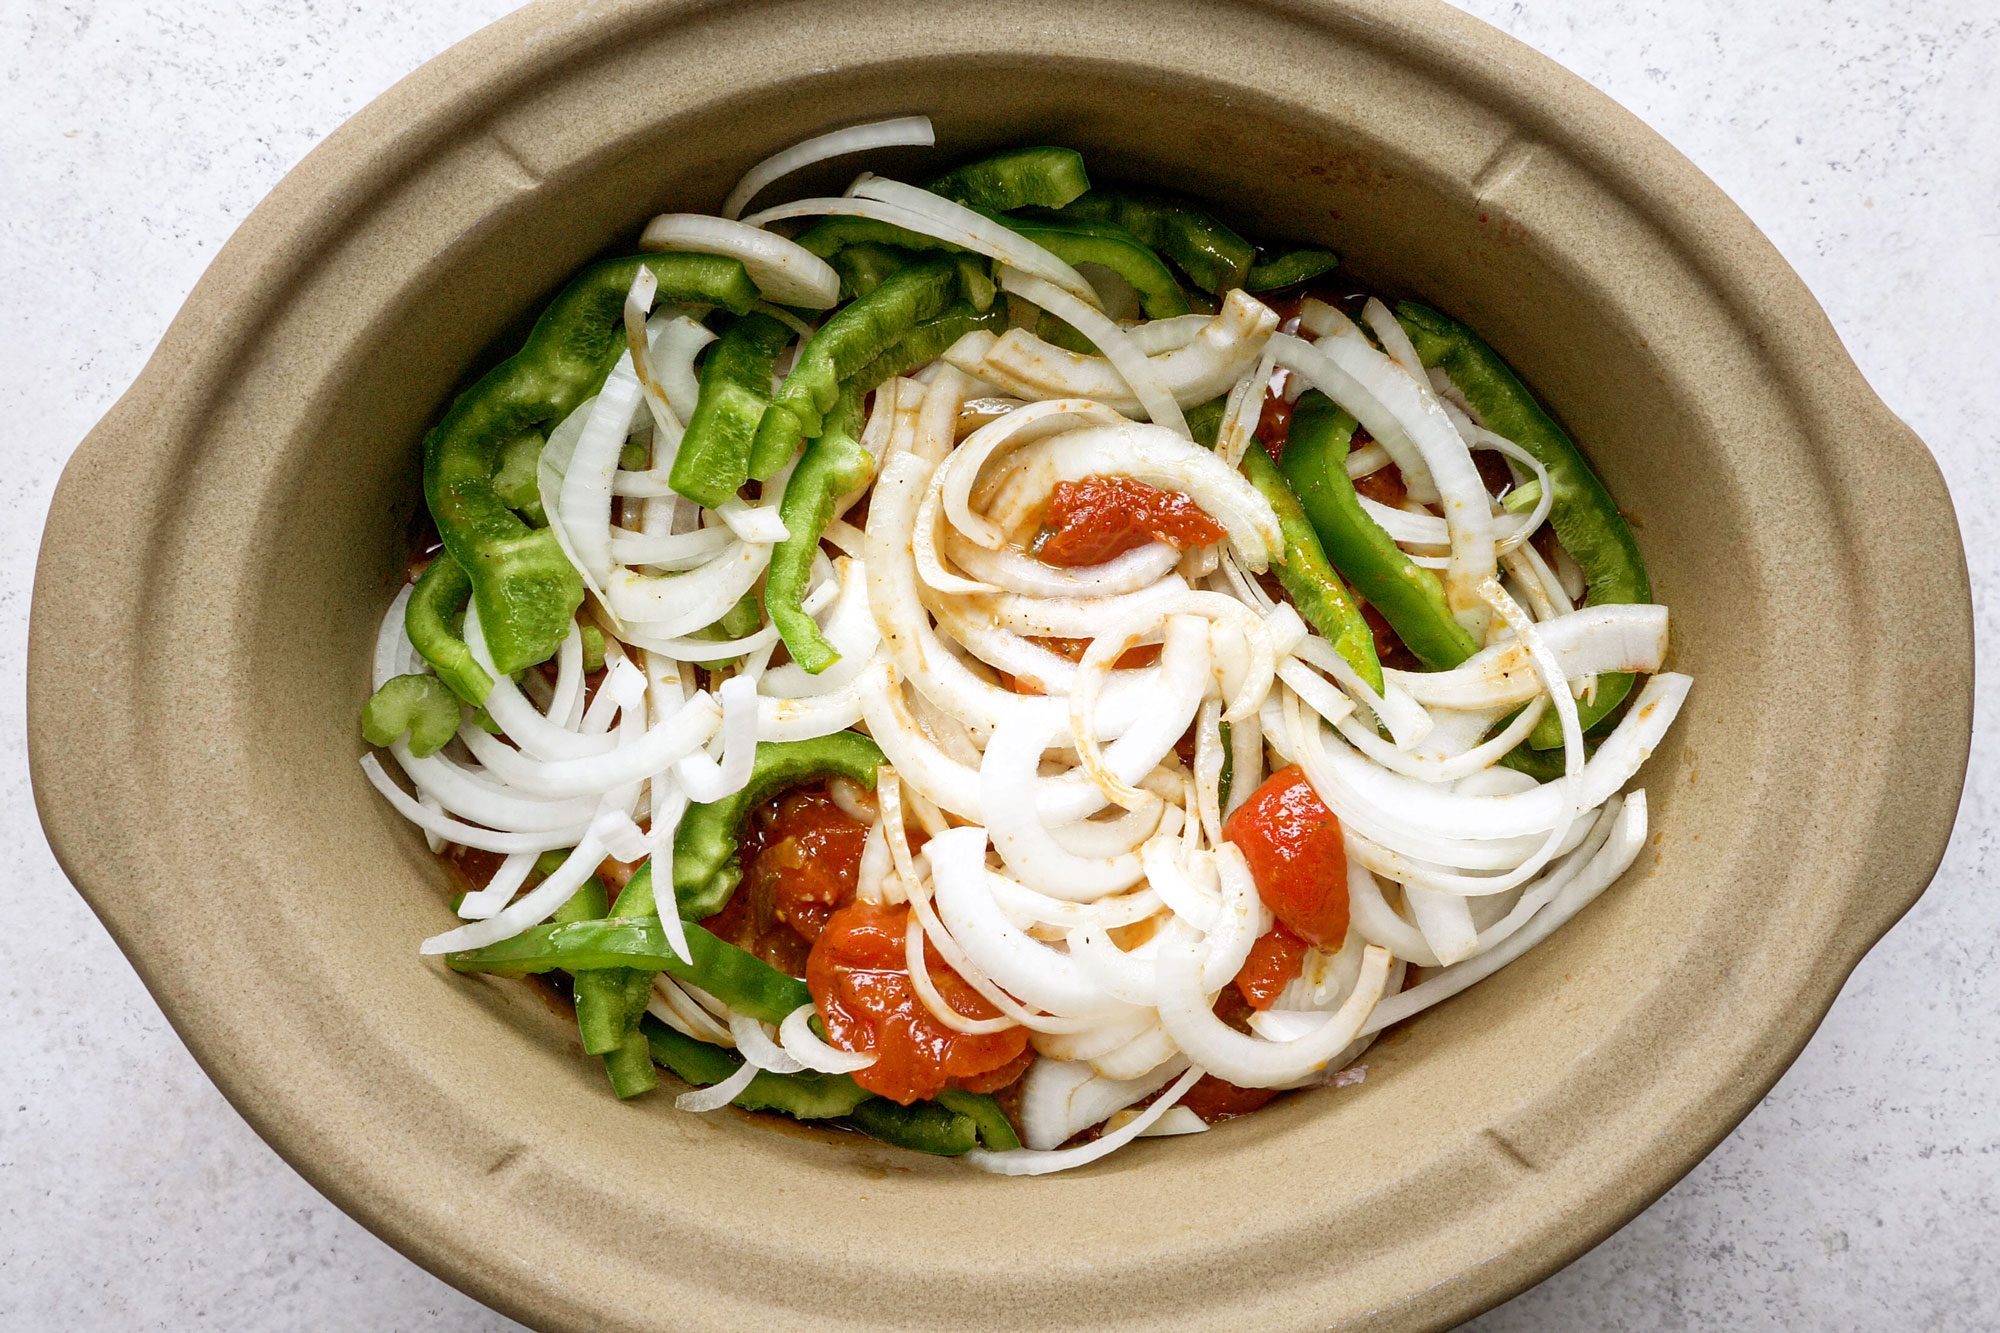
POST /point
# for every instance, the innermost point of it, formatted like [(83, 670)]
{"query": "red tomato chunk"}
[(861, 985), (1100, 518), (1293, 845)]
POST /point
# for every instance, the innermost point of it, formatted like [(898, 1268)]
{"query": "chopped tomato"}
[(811, 854), (861, 985), (1275, 961), (801, 858), (1216, 1099), (1098, 518), (1293, 845)]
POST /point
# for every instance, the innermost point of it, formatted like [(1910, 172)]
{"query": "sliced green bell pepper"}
[(1316, 591), (714, 458), (1214, 257), (855, 336), (1585, 517), (1041, 177), (1412, 601), (1289, 268), (420, 705), (524, 586)]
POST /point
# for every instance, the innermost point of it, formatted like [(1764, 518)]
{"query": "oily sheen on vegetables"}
[(982, 661)]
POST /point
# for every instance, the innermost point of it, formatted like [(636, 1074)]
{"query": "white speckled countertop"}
[(1863, 1194)]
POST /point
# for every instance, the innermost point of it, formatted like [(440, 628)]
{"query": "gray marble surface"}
[(1863, 135)]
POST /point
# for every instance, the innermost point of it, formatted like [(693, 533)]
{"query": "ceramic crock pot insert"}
[(222, 546)]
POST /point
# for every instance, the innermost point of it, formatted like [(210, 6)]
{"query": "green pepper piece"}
[(431, 617), (714, 457), (864, 266), (523, 585), (831, 237), (855, 336), (1084, 241), (1289, 268), (1228, 778), (517, 482), (1412, 601), (1583, 513), (1017, 178), (1316, 591), (996, 1132), (419, 705), (740, 979), (834, 465), (1205, 421), (593, 647), (803, 1096), (926, 1127), (1214, 257), (706, 865), (925, 343), (610, 1000)]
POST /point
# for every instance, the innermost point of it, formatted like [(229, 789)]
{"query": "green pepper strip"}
[(1205, 421), (996, 1132), (1228, 778), (854, 337), (523, 585), (1316, 591), (1289, 268), (834, 465), (926, 342), (833, 237), (804, 1096), (1410, 598), (627, 1063), (741, 980), (864, 266), (1583, 513), (1212, 255), (606, 1011), (1017, 178), (419, 705), (1085, 241), (714, 457), (706, 865), (436, 606)]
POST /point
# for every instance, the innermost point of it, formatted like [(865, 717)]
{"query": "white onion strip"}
[(896, 132)]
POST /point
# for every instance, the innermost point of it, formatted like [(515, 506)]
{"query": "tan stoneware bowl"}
[(223, 544)]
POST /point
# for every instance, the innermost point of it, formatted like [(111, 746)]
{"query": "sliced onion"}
[(757, 1048), (1588, 641), (1039, 975), (1246, 1061), (465, 835), (896, 132), (1142, 378), (940, 218), (718, 1095), (1032, 1162), (533, 907), (1027, 366), (784, 271), (802, 1044)]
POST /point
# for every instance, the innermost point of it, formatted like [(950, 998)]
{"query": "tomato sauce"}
[(1293, 845), (801, 858), (1100, 518), (861, 985), (1275, 962)]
